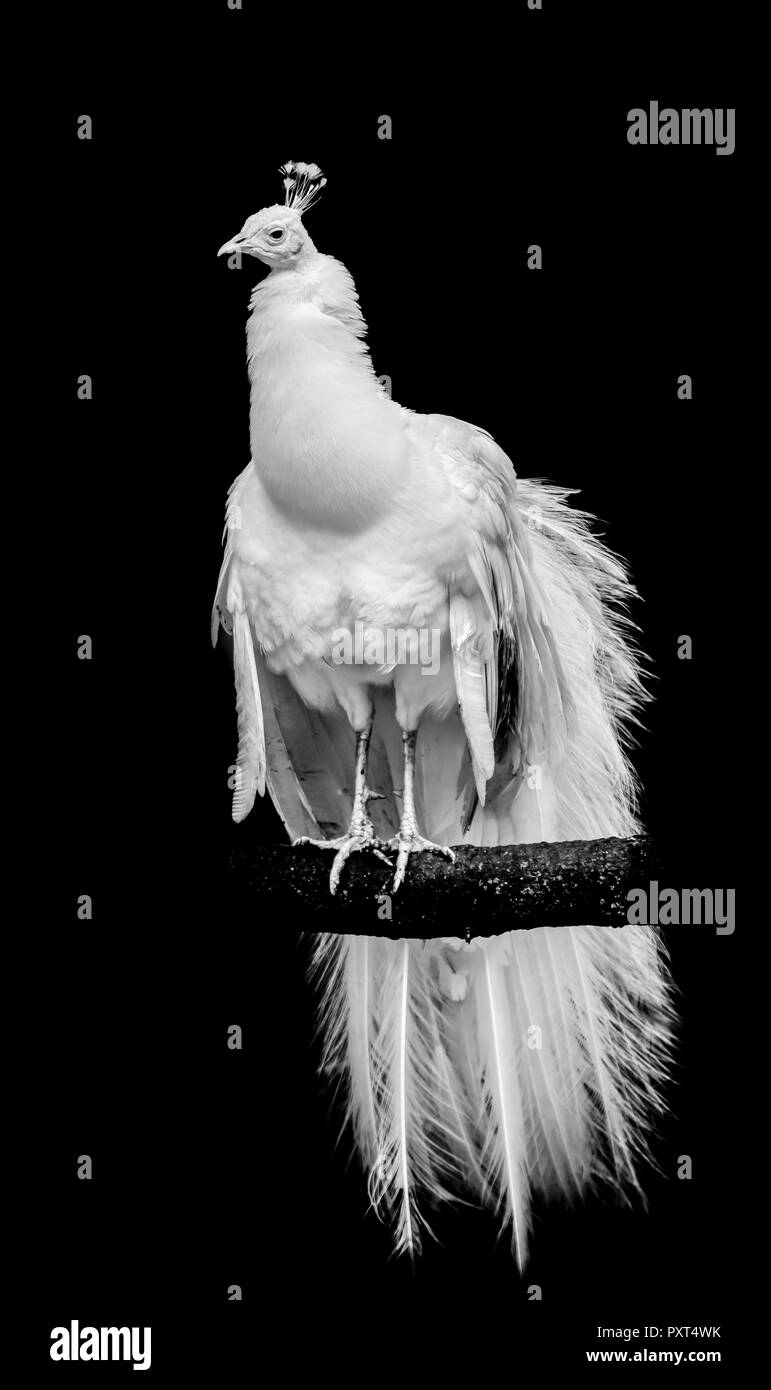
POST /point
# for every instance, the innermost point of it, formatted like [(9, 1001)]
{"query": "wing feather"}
[(472, 687), (251, 765)]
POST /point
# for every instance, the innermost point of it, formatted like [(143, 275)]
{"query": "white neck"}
[(328, 444)]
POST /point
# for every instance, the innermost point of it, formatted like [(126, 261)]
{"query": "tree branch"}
[(486, 891)]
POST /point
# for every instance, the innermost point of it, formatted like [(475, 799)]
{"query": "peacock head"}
[(276, 235)]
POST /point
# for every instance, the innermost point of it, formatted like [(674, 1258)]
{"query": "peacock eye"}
[(276, 234)]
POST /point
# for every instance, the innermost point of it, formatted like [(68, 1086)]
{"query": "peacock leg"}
[(361, 832), (409, 840)]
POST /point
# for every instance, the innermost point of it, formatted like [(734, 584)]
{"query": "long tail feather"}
[(403, 1071), (555, 1137), (349, 974), (505, 1150)]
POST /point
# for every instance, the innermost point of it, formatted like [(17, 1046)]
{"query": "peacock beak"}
[(238, 243)]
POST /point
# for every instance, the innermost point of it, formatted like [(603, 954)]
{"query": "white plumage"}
[(530, 1062)]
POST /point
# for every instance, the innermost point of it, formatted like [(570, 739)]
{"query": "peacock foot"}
[(361, 836), (410, 841)]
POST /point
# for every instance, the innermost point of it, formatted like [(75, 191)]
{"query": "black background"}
[(214, 1167)]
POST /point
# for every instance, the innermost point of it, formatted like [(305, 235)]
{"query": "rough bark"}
[(485, 892)]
